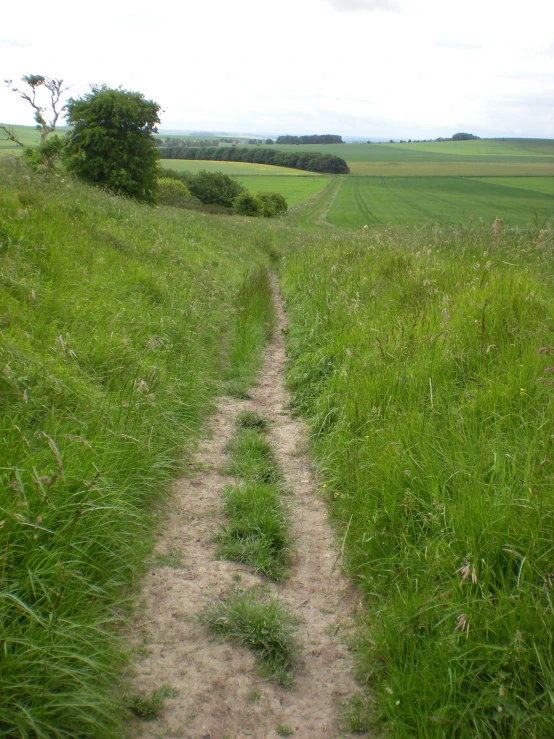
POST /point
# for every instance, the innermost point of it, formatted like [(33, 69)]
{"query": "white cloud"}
[(451, 42), (355, 6), (14, 43)]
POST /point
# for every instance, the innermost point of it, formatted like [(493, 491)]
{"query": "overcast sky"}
[(373, 68)]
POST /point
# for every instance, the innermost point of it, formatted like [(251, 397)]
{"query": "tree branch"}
[(11, 136)]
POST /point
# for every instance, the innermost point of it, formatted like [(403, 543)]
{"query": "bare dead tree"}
[(55, 88)]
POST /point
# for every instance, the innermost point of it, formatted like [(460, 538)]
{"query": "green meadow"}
[(419, 200), (294, 189)]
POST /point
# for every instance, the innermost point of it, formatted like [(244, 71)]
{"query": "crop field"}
[(484, 158), (490, 150), (487, 158), (230, 168), (417, 200), (294, 189), (535, 184)]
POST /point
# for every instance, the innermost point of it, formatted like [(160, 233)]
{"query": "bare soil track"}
[(221, 694)]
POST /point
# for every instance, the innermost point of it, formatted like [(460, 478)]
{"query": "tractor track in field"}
[(362, 205), (409, 202), (219, 693)]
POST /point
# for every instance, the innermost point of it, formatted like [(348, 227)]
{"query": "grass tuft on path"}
[(258, 528), (257, 621)]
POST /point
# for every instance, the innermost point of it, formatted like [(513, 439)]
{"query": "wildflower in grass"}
[(521, 389)]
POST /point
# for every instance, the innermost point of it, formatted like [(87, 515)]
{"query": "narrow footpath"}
[(220, 692)]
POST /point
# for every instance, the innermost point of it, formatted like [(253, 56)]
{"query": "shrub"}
[(43, 158), (215, 188), (172, 191), (273, 203), (247, 204)]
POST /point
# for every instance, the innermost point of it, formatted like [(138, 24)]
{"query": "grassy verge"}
[(423, 359), (118, 323), (257, 532), (260, 623), (255, 319)]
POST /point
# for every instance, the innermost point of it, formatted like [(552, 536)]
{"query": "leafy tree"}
[(215, 188), (464, 137), (172, 191), (247, 204), (111, 143), (272, 203)]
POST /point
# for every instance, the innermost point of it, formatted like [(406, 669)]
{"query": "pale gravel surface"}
[(221, 694)]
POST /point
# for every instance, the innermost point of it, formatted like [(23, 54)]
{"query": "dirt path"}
[(221, 694)]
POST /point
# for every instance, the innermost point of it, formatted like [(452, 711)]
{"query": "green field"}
[(294, 189), (230, 168), (417, 200), (543, 185), (486, 150)]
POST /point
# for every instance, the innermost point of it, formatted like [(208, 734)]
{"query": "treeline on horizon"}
[(327, 138), (309, 161)]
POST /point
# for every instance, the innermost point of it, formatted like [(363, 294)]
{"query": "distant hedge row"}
[(308, 161), (326, 138)]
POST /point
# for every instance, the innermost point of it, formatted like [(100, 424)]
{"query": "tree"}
[(56, 90), (272, 203), (111, 143), (172, 191), (464, 136), (215, 188), (247, 204)]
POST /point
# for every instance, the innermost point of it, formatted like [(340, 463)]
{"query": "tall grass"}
[(255, 320), (423, 359), (118, 324)]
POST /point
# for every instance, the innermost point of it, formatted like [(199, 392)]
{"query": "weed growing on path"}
[(260, 623), (148, 706), (257, 533)]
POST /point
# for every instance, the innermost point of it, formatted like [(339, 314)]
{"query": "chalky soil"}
[(220, 692)]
